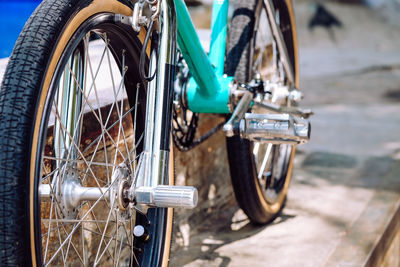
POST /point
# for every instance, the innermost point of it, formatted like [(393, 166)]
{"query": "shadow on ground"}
[(328, 187), (218, 232)]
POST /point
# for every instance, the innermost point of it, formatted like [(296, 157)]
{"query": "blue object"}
[(13, 16), (219, 21), (208, 90)]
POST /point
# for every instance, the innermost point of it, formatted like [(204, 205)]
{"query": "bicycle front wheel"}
[(260, 172), (72, 110)]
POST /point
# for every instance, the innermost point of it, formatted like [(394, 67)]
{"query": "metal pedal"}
[(274, 128)]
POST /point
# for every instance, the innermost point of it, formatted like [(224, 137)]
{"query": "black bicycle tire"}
[(241, 163), (21, 89)]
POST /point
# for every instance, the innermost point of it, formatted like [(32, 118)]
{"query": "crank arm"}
[(304, 113), (238, 113)]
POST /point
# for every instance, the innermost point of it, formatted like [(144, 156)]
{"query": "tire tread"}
[(18, 96)]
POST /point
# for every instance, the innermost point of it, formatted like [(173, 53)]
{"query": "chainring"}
[(184, 121)]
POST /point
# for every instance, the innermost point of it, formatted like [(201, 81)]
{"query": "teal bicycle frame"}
[(208, 89)]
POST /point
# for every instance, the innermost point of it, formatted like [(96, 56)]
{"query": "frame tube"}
[(153, 164), (193, 53), (218, 35), (206, 92)]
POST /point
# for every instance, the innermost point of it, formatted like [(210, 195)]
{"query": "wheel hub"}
[(71, 193), (121, 195), (67, 195)]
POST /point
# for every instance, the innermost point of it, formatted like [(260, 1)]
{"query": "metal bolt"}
[(140, 232)]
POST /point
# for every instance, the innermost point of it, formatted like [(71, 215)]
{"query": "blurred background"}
[(13, 15), (343, 207)]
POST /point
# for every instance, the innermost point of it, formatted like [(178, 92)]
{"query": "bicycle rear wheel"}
[(72, 110), (260, 172)]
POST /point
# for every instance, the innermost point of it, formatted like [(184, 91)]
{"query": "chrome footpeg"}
[(167, 196), (273, 128)]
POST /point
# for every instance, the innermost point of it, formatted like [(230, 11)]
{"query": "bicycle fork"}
[(147, 189)]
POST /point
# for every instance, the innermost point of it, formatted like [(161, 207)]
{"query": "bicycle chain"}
[(184, 140), (185, 122)]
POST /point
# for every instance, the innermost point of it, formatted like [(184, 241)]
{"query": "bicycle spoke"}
[(77, 147), (105, 236), (108, 129), (76, 226), (48, 232), (73, 246), (98, 227), (98, 119), (102, 237), (135, 125), (52, 172), (134, 149), (116, 244), (119, 250), (66, 221), (265, 161), (106, 249), (59, 238), (58, 227), (99, 106), (77, 161), (121, 127), (83, 244)]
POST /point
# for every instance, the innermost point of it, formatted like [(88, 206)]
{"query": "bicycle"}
[(86, 166)]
